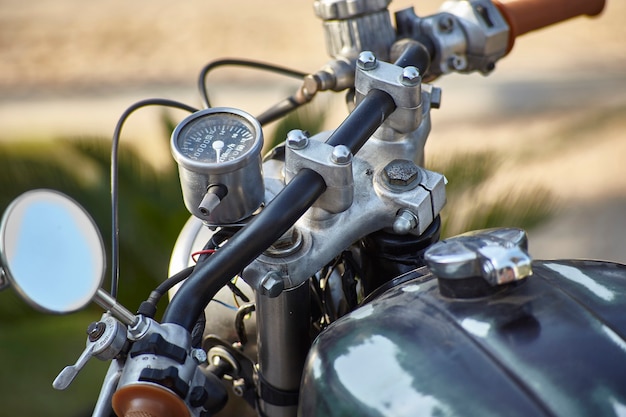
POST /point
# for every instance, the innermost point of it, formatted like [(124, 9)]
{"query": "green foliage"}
[(33, 352), (464, 172), (525, 210), (469, 209)]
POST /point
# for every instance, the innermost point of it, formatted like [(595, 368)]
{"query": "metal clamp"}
[(334, 164), (468, 35), (404, 85)]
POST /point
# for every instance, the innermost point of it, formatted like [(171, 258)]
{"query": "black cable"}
[(115, 266), (242, 63), (279, 110), (148, 308)]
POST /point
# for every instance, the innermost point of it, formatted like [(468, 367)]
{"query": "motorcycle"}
[(346, 301)]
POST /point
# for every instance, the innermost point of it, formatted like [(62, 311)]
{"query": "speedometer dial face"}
[(217, 138)]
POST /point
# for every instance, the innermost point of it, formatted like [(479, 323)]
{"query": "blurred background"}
[(540, 143)]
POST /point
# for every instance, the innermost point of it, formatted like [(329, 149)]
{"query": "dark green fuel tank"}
[(553, 344)]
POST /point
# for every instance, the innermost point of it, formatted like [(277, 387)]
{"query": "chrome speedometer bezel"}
[(244, 158)]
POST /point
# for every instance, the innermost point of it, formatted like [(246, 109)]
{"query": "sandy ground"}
[(555, 108)]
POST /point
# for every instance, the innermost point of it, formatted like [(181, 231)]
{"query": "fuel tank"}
[(553, 344)]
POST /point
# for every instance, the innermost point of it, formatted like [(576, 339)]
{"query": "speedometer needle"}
[(217, 147)]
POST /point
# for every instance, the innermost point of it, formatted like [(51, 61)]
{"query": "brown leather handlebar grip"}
[(524, 16), (145, 400)]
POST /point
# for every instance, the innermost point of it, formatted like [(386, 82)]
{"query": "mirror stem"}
[(107, 302)]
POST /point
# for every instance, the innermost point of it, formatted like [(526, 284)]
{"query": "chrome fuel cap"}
[(499, 256)]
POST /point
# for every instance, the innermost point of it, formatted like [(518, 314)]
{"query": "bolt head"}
[(401, 173), (297, 139), (341, 155), (405, 222), (410, 77), (272, 285), (446, 23), (95, 330), (367, 61)]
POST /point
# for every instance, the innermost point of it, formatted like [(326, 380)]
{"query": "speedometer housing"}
[(220, 148)]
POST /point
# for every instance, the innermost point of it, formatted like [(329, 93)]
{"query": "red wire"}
[(201, 252)]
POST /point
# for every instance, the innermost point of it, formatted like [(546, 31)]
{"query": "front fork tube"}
[(283, 341)]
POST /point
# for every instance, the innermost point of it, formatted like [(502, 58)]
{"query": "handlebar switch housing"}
[(467, 35), (161, 373)]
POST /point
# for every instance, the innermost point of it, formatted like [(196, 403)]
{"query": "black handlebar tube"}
[(415, 54), (275, 219), (371, 112)]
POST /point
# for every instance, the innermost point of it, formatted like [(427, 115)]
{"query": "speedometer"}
[(218, 152), (219, 138)]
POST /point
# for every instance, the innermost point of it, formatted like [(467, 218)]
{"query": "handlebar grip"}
[(144, 400), (524, 16)]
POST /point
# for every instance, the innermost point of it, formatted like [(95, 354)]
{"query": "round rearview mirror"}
[(51, 251)]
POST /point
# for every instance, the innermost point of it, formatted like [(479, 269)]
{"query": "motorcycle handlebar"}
[(524, 16)]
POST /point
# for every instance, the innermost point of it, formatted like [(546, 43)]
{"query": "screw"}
[(367, 61), (457, 62), (341, 155), (297, 139), (410, 76), (199, 355), (405, 222), (401, 172), (446, 24), (95, 330), (272, 284)]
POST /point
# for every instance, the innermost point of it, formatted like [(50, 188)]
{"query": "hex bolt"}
[(410, 77), (405, 222), (446, 23), (401, 173), (272, 284), (341, 155), (367, 61), (297, 139)]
